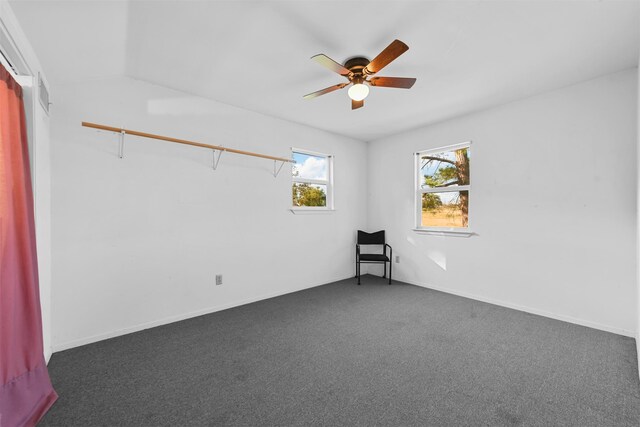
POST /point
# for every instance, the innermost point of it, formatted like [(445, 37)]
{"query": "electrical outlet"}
[(397, 259), (218, 279)]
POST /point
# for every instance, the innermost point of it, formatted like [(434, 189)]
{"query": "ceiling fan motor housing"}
[(356, 64)]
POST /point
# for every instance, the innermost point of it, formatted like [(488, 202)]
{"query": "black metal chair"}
[(376, 238)]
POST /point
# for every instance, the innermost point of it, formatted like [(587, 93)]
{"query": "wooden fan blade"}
[(325, 90), (399, 82), (325, 61), (391, 52), (356, 104)]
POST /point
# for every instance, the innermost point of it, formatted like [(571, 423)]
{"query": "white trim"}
[(7, 66), (24, 81), (176, 318), (445, 232), (309, 152), (544, 313), (451, 147), (311, 181), (311, 210), (452, 189), (13, 34)]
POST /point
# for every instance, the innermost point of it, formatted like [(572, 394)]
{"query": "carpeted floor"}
[(345, 355)]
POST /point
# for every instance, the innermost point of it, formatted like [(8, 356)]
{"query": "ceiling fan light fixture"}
[(358, 69), (358, 91)]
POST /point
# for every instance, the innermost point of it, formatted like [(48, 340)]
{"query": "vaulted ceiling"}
[(466, 55)]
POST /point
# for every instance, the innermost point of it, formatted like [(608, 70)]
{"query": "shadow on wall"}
[(438, 257)]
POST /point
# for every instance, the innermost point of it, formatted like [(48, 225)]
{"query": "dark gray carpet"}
[(342, 354)]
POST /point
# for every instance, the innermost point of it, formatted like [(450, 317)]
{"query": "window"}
[(312, 186), (443, 188)]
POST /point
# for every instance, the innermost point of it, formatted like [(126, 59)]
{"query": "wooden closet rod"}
[(183, 141)]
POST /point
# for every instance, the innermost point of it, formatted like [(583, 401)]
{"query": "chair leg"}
[(358, 272), (390, 267), (385, 270)]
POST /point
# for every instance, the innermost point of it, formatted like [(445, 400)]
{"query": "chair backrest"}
[(376, 238)]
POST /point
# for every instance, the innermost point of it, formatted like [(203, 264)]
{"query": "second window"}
[(312, 186)]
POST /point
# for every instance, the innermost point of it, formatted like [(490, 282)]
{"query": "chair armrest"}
[(386, 245)]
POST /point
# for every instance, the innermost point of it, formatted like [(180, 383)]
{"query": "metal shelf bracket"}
[(121, 144), (276, 172), (216, 161)]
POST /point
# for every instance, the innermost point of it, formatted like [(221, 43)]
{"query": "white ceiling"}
[(466, 55)]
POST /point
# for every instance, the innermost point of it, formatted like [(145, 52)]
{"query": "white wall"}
[(137, 242), (638, 222), (553, 204), (17, 47)]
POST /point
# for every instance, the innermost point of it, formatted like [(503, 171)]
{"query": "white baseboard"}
[(536, 311), (171, 319)]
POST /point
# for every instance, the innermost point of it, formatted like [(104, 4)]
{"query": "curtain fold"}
[(26, 392)]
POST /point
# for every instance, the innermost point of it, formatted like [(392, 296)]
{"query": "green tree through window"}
[(444, 188), (311, 180), (308, 195)]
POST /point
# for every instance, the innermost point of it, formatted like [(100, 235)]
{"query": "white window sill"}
[(302, 211), (436, 232)]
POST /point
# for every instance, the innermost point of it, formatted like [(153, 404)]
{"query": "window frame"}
[(419, 191), (328, 182)]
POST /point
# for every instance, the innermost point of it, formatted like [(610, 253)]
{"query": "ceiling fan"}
[(358, 70)]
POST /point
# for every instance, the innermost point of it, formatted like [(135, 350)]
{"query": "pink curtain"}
[(25, 389)]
